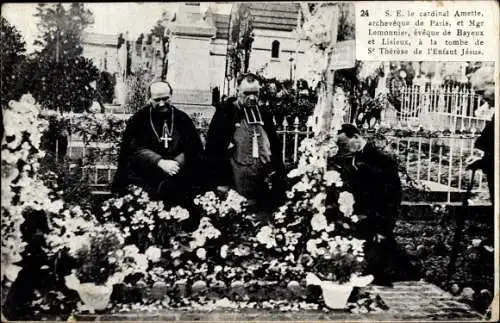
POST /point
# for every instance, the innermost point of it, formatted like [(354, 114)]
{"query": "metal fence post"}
[(296, 138), (285, 125)]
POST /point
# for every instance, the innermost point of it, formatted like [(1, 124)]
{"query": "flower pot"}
[(336, 295), (95, 296)]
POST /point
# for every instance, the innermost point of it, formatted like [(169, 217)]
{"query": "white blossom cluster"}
[(266, 237), (178, 213), (135, 211), (233, 203), (205, 231), (124, 259), (209, 202), (70, 229), (19, 186), (212, 205), (132, 261), (336, 246)]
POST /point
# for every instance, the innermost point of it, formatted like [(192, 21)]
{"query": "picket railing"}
[(438, 108), (439, 163)]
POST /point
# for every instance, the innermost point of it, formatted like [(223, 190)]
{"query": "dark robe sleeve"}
[(221, 129), (278, 177), (486, 139), (190, 157), (486, 142), (134, 152), (120, 179), (380, 177), (142, 157), (274, 141)]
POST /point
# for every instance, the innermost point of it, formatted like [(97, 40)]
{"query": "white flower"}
[(476, 242), (357, 245), (312, 247), (265, 236), (164, 215), (346, 203), (179, 213), (118, 203), (318, 200), (242, 251), (318, 222), (130, 249), (333, 177), (153, 254), (198, 240), (201, 253), (301, 186), (295, 173), (223, 251), (176, 254), (354, 218), (55, 207), (318, 161), (76, 243)]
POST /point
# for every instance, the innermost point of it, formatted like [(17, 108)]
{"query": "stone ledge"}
[(415, 301), (254, 291), (192, 30)]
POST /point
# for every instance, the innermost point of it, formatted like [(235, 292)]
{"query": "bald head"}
[(161, 93)]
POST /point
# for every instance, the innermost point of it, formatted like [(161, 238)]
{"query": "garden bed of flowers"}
[(220, 248), (428, 239)]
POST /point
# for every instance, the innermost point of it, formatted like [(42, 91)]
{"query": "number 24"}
[(364, 13)]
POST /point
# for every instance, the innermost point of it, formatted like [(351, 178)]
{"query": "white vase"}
[(336, 295), (95, 296)]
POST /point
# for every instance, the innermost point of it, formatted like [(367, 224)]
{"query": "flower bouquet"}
[(102, 261), (21, 191), (144, 222)]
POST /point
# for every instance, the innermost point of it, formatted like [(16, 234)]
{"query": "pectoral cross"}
[(166, 134), (255, 145), (166, 138)]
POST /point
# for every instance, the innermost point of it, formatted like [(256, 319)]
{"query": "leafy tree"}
[(64, 85), (284, 100), (59, 77), (61, 29), (106, 87), (137, 89), (347, 17), (158, 30), (241, 39), (12, 49)]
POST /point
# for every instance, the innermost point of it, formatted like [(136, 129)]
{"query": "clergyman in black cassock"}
[(373, 178), (160, 151), (486, 144), (243, 150)]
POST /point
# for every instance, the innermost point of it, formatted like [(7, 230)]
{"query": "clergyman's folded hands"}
[(171, 167)]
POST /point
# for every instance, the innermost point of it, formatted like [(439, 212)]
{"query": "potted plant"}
[(101, 262), (313, 233)]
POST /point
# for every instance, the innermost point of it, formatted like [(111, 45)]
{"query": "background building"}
[(196, 52)]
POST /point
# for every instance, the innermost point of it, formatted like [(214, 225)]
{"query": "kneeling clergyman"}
[(160, 150), (243, 148)]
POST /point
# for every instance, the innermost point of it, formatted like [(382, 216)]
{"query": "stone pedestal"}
[(188, 64)]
